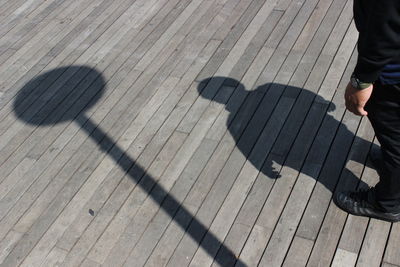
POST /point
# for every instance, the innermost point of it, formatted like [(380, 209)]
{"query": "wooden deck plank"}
[(332, 223), (15, 124), (175, 231), (217, 131), (126, 83), (29, 44), (127, 138), (13, 12), (86, 32), (37, 149), (328, 237), (8, 6), (156, 148), (52, 171), (55, 257), (71, 235), (241, 187), (344, 258), (388, 265), (15, 30), (228, 35), (287, 174), (76, 200), (23, 135), (354, 229), (81, 248), (90, 263), (298, 253), (104, 38), (102, 248), (155, 229), (8, 243), (208, 103), (374, 244), (169, 177), (337, 114), (391, 256), (159, 222), (78, 38), (138, 99), (58, 53), (281, 142), (239, 152), (225, 67), (220, 129), (330, 231)]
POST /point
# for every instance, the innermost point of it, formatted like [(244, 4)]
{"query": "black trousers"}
[(384, 113)]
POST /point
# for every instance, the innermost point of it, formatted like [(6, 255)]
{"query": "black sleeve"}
[(379, 39)]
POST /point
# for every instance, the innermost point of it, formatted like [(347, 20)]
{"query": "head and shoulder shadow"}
[(277, 125)]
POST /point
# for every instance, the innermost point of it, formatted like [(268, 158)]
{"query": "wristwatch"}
[(356, 83)]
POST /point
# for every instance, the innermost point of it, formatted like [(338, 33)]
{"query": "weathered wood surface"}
[(182, 133)]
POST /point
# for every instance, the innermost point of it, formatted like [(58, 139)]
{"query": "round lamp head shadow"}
[(49, 99)]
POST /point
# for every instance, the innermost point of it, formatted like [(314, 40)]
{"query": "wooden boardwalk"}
[(182, 133)]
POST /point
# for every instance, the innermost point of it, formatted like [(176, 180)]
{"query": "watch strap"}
[(356, 83)]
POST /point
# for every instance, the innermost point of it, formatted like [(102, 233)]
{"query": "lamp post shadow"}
[(39, 94)]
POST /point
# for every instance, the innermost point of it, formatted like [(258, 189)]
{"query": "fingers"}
[(356, 109), (361, 111)]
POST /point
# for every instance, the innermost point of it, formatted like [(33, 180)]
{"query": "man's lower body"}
[(384, 114), (383, 200)]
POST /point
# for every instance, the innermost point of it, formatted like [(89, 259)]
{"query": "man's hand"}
[(356, 99)]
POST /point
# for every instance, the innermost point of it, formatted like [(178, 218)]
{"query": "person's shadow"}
[(285, 122), (278, 125)]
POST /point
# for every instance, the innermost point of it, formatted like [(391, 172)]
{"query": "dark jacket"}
[(378, 23)]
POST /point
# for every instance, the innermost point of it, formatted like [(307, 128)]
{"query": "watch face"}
[(354, 82)]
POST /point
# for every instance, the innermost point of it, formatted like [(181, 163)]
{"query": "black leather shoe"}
[(361, 203)]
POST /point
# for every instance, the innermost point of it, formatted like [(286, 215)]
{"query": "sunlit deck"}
[(182, 133)]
